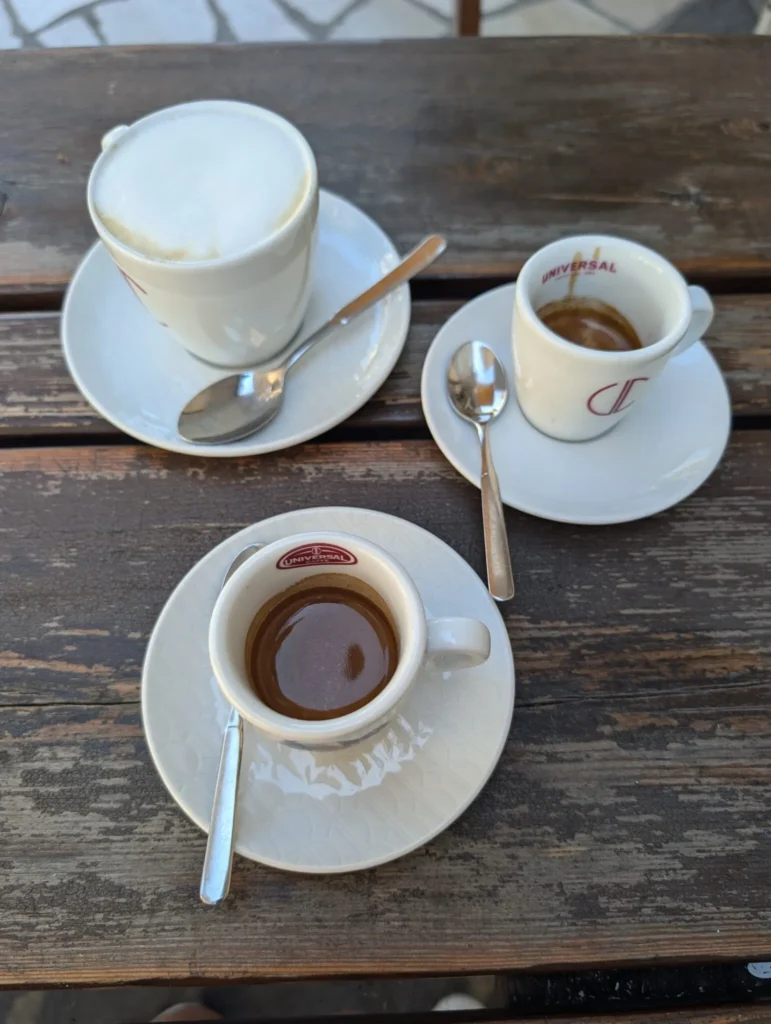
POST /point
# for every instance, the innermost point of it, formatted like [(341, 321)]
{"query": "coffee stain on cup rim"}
[(577, 263), (316, 554)]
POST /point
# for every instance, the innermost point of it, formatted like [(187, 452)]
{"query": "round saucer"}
[(342, 810), (138, 377), (658, 455)]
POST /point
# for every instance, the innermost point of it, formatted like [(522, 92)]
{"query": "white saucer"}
[(658, 455), (343, 810), (138, 377)]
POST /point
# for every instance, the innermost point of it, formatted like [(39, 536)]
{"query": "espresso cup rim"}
[(239, 693), (646, 352), (263, 245)]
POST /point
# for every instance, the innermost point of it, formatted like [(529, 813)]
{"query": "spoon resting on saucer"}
[(478, 390), (218, 860), (243, 403)]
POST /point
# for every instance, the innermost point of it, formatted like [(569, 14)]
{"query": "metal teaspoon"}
[(478, 391), (243, 403), (218, 861)]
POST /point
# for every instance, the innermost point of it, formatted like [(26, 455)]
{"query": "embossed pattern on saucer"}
[(334, 811)]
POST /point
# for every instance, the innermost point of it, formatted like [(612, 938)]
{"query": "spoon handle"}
[(215, 879), (421, 256), (500, 580), (218, 861)]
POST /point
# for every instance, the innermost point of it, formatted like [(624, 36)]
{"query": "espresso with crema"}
[(590, 323), (322, 648)]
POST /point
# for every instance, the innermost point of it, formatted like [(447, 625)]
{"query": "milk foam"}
[(200, 185)]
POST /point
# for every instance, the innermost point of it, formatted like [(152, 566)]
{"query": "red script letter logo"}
[(612, 398)]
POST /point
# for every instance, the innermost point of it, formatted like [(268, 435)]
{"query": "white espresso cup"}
[(574, 393), (442, 644), (231, 308)]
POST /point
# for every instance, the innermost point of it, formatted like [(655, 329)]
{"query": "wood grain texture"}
[(682, 598), (628, 820), (38, 397), (501, 144)]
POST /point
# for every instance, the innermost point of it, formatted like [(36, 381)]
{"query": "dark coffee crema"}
[(590, 323), (322, 648)]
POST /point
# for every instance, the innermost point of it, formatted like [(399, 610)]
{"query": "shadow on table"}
[(243, 1002), (588, 992)]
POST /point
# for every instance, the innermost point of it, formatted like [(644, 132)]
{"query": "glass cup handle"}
[(456, 643)]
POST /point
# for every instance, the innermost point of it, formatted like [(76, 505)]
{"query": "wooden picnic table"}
[(629, 820)]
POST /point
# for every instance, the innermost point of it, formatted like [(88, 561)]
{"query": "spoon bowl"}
[(233, 407), (477, 383)]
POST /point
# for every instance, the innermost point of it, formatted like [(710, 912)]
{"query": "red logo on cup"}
[(605, 401), (316, 554), (587, 267)]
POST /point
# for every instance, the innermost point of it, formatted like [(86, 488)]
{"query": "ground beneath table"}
[(55, 23)]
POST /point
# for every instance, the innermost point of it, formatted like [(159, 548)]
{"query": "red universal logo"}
[(316, 554)]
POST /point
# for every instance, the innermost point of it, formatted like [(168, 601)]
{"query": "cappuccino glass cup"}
[(442, 644), (574, 393), (233, 306)]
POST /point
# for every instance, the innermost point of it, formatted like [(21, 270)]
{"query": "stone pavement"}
[(32, 23)]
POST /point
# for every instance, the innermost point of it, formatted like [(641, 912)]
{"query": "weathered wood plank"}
[(38, 397), (620, 831), (501, 144), (679, 600), (628, 820)]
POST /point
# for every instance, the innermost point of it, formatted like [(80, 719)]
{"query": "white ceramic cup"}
[(230, 311), (443, 644), (574, 393)]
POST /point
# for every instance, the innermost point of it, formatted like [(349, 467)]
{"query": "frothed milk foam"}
[(201, 185)]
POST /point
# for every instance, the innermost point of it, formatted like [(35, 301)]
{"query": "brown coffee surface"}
[(590, 323), (322, 648)]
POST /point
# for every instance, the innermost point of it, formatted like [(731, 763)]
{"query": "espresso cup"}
[(574, 393), (230, 310), (442, 643)]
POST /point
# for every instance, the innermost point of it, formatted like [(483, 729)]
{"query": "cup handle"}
[(702, 312), (111, 137), (456, 643)]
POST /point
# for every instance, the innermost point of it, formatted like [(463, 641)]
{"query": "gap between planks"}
[(522, 703), (49, 298)]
